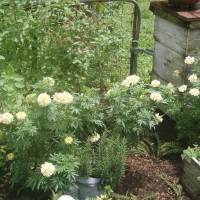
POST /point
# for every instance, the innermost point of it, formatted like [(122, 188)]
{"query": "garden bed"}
[(143, 177)]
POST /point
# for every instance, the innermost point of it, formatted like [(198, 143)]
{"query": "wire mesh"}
[(120, 18)]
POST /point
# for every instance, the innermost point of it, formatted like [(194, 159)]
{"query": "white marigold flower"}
[(44, 99), (125, 83), (155, 83), (189, 60), (64, 98), (66, 197), (170, 85), (109, 92), (7, 118), (156, 96), (194, 92), (193, 78), (49, 81), (182, 88), (176, 73), (10, 156), (131, 80), (47, 169), (21, 115), (68, 140), (159, 119), (95, 138)]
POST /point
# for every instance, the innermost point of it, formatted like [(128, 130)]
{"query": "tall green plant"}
[(59, 39)]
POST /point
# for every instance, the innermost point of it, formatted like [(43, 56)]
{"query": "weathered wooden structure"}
[(177, 35), (191, 170)]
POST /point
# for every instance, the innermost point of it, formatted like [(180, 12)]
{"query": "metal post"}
[(135, 31)]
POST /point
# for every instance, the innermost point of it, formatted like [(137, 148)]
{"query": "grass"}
[(122, 17), (146, 40)]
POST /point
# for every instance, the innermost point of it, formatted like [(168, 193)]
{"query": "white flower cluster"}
[(182, 88), (6, 118), (156, 96), (64, 98), (159, 118), (192, 78), (49, 81), (21, 115), (131, 80), (176, 73), (194, 92), (47, 169), (66, 197), (95, 138), (189, 60), (44, 99), (155, 83)]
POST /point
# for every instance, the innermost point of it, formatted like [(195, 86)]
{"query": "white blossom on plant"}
[(6, 118), (155, 83), (182, 88), (66, 197), (44, 99), (170, 85), (194, 92), (64, 98), (159, 118), (176, 73), (68, 140), (192, 78), (189, 60), (156, 96), (47, 169), (10, 156), (21, 115), (49, 81), (95, 138), (130, 80)]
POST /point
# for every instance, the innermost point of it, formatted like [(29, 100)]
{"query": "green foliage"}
[(66, 40), (183, 106), (152, 145), (104, 158), (191, 152), (64, 178), (112, 153), (11, 85), (129, 111), (177, 189)]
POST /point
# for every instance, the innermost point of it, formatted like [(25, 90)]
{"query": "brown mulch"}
[(142, 178)]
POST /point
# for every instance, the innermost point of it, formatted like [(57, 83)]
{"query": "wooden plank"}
[(191, 170), (170, 35), (165, 62), (193, 41)]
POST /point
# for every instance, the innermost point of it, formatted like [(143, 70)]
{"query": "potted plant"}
[(102, 161)]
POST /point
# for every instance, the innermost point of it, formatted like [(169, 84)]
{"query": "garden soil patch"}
[(142, 178)]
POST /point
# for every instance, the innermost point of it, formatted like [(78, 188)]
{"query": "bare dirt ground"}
[(143, 178)]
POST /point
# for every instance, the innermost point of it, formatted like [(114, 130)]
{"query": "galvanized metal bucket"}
[(89, 187)]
